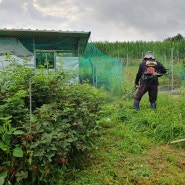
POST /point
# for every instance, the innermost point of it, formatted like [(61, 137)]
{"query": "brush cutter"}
[(130, 92), (158, 74)]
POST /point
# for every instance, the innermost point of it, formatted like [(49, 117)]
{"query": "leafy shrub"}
[(44, 122)]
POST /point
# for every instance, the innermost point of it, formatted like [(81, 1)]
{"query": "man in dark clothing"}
[(147, 79)]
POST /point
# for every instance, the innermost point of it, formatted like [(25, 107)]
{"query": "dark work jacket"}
[(150, 80)]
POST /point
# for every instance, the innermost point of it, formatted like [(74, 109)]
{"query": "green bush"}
[(44, 122)]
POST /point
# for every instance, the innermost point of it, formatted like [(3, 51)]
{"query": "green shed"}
[(42, 46)]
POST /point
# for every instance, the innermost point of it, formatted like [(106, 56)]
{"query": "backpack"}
[(150, 68)]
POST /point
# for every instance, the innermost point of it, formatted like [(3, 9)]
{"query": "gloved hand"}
[(136, 86)]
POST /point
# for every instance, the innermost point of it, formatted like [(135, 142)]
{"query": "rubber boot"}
[(153, 105), (136, 104)]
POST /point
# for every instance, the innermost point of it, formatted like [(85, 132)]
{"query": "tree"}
[(176, 38)]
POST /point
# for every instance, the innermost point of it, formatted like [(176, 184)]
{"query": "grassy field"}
[(129, 149), (134, 147)]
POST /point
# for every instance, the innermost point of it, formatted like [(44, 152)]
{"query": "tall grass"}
[(133, 147), (164, 124)]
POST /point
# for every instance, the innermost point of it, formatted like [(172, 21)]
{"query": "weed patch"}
[(134, 146)]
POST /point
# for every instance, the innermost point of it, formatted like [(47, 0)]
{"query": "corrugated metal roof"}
[(70, 40), (42, 33)]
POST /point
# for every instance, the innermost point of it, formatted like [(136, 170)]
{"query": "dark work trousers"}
[(152, 92)]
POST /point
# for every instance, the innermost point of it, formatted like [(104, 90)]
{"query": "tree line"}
[(166, 49)]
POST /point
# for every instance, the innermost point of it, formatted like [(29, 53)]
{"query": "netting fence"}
[(90, 66), (101, 70)]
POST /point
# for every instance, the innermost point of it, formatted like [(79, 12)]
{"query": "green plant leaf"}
[(1, 129), (21, 175), (4, 147), (2, 177), (2, 180), (18, 132), (6, 138), (18, 152)]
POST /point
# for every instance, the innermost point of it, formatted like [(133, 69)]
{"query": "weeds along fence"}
[(174, 78), (101, 70), (92, 65)]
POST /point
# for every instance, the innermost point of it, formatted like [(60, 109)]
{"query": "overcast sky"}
[(107, 20)]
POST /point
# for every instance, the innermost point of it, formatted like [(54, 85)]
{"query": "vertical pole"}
[(34, 51), (30, 95), (178, 58), (96, 77), (127, 66), (172, 68), (78, 75), (55, 62)]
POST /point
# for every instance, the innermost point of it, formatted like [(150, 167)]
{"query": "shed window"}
[(45, 59)]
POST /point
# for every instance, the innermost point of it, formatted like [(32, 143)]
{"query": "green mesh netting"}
[(90, 65), (177, 73), (100, 70)]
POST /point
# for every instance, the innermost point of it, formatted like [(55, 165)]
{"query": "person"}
[(147, 79)]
